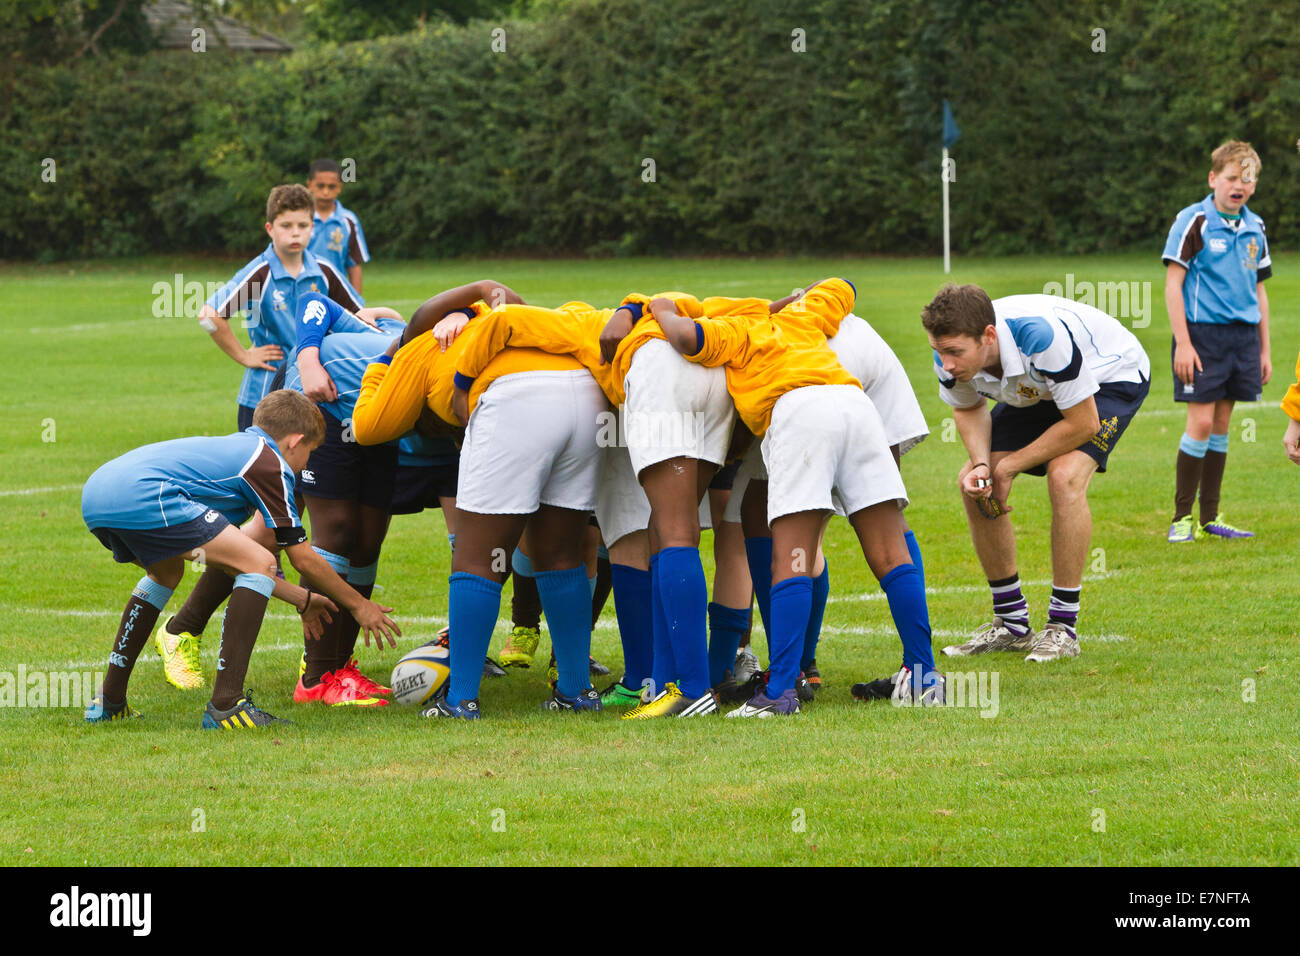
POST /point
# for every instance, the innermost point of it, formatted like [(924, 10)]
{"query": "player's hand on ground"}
[(374, 619), (1265, 367), (616, 329), (320, 611), (460, 405), (316, 383), (1291, 441), (1186, 363), (448, 328), (261, 356)]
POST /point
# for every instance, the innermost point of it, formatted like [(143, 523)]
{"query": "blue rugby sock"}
[(685, 596), (727, 625), (821, 589), (914, 550), (474, 603), (758, 552), (567, 605), (906, 596), (791, 605), (662, 667), (632, 599)]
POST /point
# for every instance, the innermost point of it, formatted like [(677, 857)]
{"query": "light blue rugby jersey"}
[(172, 482), (1223, 264), (270, 295), (339, 238), (345, 356)]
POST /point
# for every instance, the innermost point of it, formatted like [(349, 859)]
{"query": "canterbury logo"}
[(315, 312)]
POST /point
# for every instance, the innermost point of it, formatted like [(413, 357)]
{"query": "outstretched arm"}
[(495, 294), (682, 333)]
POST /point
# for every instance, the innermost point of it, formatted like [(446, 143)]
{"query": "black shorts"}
[(349, 471), (1229, 363), (1117, 402), (151, 545), (422, 486), (245, 418), (725, 477)]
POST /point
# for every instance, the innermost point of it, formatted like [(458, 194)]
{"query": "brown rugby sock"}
[(239, 630), (1188, 479), (346, 642), (604, 583), (212, 588), (138, 620), (526, 603), (1212, 484)]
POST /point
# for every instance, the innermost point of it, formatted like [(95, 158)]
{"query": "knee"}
[(1065, 486)]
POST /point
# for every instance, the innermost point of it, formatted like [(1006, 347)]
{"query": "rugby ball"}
[(421, 674)]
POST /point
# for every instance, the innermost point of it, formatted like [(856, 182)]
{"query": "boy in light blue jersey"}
[(1216, 260), (336, 234), (165, 503), (347, 487), (269, 288)]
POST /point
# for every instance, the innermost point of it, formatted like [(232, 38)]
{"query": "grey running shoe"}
[(1053, 641), (993, 636), (746, 665)]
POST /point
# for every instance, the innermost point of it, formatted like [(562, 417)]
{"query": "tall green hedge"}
[(756, 147)]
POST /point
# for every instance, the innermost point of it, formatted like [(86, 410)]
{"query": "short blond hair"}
[(1234, 150), (286, 412)]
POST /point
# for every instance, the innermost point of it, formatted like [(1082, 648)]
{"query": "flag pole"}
[(943, 174)]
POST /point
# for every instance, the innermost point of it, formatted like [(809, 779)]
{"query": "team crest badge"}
[(336, 240), (277, 300), (1024, 391), (1252, 254), (1106, 433)]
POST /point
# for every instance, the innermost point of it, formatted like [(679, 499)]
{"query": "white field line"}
[(959, 589), (37, 491), (210, 651)]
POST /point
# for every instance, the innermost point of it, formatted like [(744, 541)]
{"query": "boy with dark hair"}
[(165, 503), (1216, 260), (1066, 379), (336, 232)]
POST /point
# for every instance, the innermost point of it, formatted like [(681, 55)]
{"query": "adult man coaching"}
[(1066, 379)]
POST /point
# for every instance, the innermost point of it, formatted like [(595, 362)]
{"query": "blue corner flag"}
[(950, 131)]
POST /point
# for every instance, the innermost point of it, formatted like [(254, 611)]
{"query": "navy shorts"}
[(349, 471), (245, 419), (151, 545), (725, 477), (1229, 363), (417, 487), (1117, 402)]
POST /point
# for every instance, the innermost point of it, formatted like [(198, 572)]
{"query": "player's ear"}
[(268, 228)]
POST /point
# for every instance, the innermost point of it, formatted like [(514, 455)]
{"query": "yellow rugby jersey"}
[(766, 356), (571, 331), (392, 395), (1291, 402)]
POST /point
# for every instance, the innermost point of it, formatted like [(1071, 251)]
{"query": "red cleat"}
[(337, 690), (373, 688)]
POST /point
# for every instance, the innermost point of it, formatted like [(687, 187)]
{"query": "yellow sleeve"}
[(392, 396), (726, 339), (1291, 403), (519, 326), (830, 301), (687, 304)]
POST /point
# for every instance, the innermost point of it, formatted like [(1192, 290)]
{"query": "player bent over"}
[(822, 438), (1067, 380), (168, 502)]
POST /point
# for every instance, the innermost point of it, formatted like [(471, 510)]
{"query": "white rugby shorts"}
[(826, 446), (532, 441)]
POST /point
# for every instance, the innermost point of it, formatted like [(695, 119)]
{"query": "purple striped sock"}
[(1010, 605), (1064, 607)]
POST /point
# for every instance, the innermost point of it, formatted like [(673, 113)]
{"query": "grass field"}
[(1144, 750)]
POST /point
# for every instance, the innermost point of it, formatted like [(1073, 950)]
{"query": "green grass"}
[(1149, 726)]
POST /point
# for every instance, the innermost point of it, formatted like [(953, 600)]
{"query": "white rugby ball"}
[(420, 674)]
